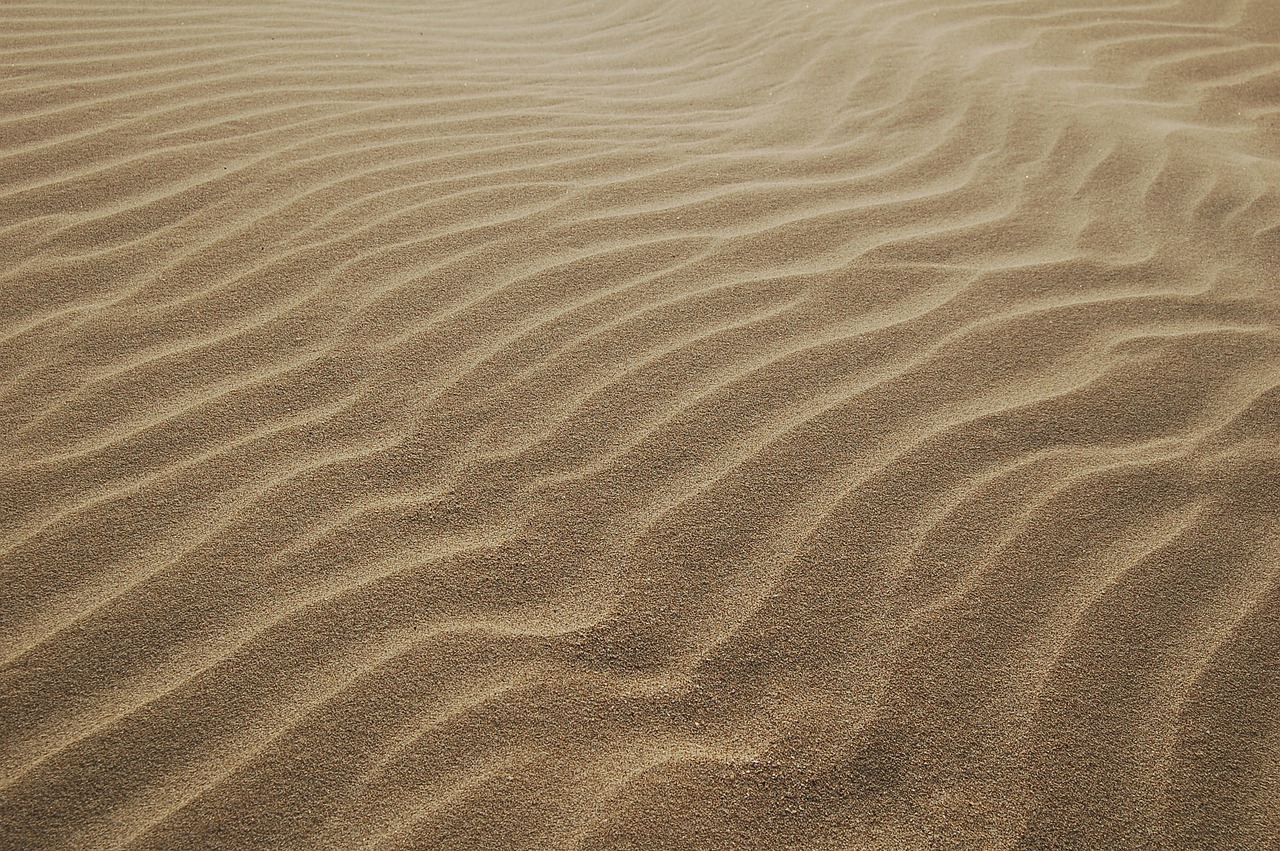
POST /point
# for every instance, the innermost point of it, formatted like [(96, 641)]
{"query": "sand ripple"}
[(647, 425)]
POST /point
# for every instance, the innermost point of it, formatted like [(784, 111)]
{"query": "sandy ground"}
[(686, 425)]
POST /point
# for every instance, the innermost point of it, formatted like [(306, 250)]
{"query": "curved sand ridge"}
[(649, 425)]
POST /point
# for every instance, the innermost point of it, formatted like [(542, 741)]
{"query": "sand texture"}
[(716, 424)]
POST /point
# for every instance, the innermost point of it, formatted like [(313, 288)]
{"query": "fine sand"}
[(688, 425)]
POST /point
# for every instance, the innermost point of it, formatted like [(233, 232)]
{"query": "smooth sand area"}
[(716, 424)]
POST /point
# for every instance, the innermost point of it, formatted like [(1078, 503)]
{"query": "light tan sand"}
[(703, 424)]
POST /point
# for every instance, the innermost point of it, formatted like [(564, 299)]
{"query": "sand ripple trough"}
[(643, 425)]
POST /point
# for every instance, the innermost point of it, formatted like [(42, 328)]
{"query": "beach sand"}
[(700, 425)]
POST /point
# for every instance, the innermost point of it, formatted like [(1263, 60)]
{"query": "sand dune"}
[(640, 425)]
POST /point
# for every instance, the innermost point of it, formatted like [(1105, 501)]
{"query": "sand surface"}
[(685, 425)]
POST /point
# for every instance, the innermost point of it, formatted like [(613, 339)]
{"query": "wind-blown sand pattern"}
[(640, 425)]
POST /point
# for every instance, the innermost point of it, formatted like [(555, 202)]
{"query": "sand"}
[(512, 425)]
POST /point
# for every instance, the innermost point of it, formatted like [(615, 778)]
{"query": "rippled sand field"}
[(682, 425)]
